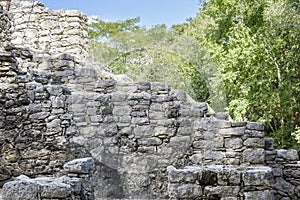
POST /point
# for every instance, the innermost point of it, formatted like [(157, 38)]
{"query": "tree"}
[(157, 54), (255, 45)]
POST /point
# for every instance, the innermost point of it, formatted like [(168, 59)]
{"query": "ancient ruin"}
[(69, 129)]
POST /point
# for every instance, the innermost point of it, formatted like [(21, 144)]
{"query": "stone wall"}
[(75, 185), (147, 140), (47, 32)]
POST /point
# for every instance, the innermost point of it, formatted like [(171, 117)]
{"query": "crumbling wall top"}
[(47, 32)]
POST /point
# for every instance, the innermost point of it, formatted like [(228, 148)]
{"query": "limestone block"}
[(143, 131), (80, 166), (122, 110), (161, 131), (159, 87), (139, 96), (186, 175), (20, 189), (255, 126), (254, 133), (221, 123), (161, 98), (254, 156), (140, 120), (255, 142), (255, 195), (204, 144), (75, 183), (238, 124), (154, 141), (229, 132), (145, 149), (54, 189), (259, 176), (222, 191), (290, 155), (233, 143), (284, 186), (78, 108), (202, 125), (184, 191), (213, 155), (39, 116), (119, 97), (180, 144)]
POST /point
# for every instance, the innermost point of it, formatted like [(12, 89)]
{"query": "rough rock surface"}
[(147, 140), (73, 186)]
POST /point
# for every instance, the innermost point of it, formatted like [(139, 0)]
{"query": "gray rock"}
[(184, 191), (223, 191), (233, 143), (229, 132), (259, 176), (187, 175), (255, 142), (80, 166), (254, 156), (255, 195), (20, 190), (255, 126), (291, 155)]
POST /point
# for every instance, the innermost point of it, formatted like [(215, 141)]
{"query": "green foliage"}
[(255, 45), (157, 54), (99, 29)]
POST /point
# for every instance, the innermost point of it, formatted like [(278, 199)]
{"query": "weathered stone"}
[(204, 144), (223, 191), (51, 189), (80, 166), (187, 191), (187, 175), (254, 195), (150, 141), (221, 123), (287, 154), (143, 131), (284, 186), (230, 132), (20, 189), (254, 156), (163, 132), (213, 155), (255, 126), (255, 142), (260, 176), (233, 143)]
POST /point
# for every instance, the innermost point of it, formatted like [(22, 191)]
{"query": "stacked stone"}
[(75, 186), (224, 142), (47, 32), (8, 67), (286, 168), (220, 182), (82, 169), (55, 111), (6, 28), (32, 127)]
